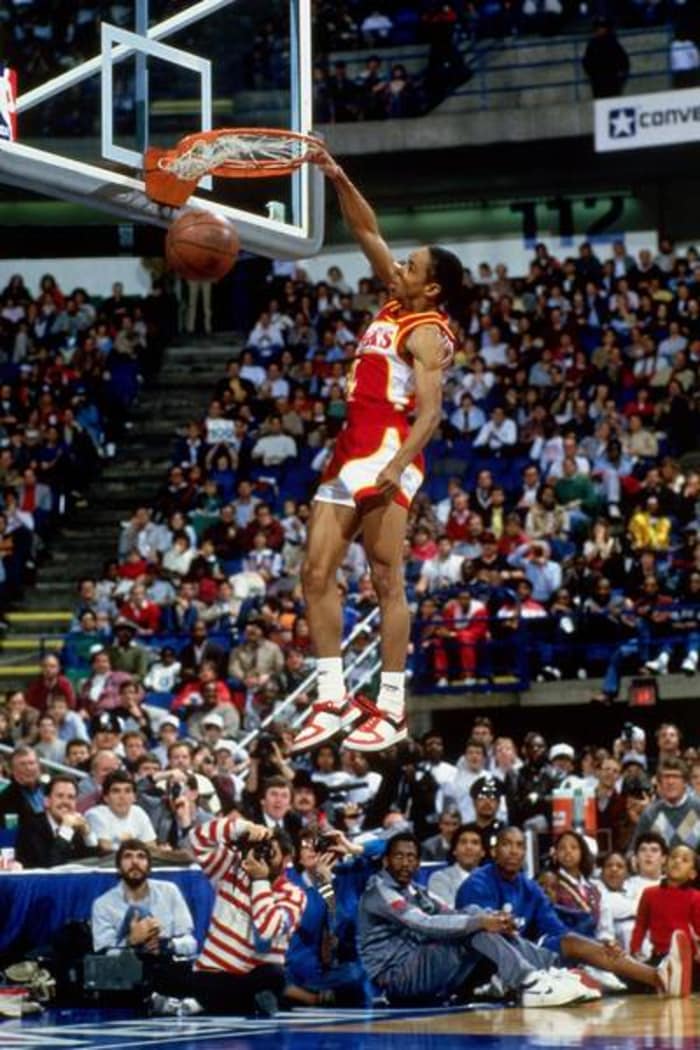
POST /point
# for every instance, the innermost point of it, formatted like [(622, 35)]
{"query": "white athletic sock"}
[(331, 684), (392, 693)]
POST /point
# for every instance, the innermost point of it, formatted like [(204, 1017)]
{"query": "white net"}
[(239, 149)]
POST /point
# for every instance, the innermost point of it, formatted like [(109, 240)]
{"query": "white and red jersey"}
[(382, 372), (252, 921)]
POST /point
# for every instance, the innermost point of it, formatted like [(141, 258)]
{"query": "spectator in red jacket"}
[(50, 683)]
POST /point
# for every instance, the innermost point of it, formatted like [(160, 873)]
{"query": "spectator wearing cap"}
[(466, 853), (486, 793), (126, 654), (676, 813), (41, 690), (118, 817), (215, 720), (562, 759), (105, 731)]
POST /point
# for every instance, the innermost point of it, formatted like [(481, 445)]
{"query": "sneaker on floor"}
[(657, 666), (690, 664), (266, 1004), (603, 980), (164, 1005), (546, 989), (591, 989), (378, 732), (189, 1008), (323, 722), (676, 970)]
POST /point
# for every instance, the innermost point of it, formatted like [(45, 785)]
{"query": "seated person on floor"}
[(502, 882), (418, 951)]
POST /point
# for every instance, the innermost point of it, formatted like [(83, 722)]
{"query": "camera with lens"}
[(325, 844), (628, 732), (262, 850), (264, 746), (176, 791)]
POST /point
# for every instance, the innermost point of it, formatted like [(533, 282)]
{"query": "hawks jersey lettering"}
[(382, 372)]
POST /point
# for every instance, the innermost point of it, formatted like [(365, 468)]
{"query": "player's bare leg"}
[(331, 528), (383, 533)]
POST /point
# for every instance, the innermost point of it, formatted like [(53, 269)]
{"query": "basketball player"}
[(375, 471)]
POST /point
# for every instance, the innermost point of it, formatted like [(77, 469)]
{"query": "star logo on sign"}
[(622, 123)]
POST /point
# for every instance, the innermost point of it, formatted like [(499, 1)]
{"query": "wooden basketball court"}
[(642, 1022)]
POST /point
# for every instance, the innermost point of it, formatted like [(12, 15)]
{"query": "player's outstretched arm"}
[(359, 216)]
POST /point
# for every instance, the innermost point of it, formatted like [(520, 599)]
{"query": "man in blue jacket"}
[(501, 885)]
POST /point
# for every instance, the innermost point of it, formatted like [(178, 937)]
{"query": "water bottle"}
[(578, 811)]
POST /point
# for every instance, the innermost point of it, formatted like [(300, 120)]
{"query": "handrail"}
[(309, 681), (56, 767)]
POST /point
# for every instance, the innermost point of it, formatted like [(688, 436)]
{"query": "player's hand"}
[(320, 156), (389, 481)]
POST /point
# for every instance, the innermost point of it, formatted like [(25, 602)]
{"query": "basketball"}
[(201, 246)]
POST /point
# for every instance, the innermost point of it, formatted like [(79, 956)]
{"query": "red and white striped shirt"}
[(252, 921)]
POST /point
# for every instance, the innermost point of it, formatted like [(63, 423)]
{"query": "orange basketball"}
[(201, 246)]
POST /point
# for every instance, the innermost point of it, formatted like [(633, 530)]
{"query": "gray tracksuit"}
[(416, 949)]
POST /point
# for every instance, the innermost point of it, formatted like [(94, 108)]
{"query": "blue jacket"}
[(487, 888)]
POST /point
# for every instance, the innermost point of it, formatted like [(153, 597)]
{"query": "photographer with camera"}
[(266, 760), (179, 814), (151, 919), (256, 910), (322, 964)]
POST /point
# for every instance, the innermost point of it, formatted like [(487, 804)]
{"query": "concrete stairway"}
[(88, 536), (531, 72)]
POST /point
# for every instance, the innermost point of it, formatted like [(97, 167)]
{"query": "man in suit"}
[(273, 809), (199, 649), (23, 795), (58, 835)]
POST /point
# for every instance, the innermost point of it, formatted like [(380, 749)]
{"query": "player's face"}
[(412, 276)]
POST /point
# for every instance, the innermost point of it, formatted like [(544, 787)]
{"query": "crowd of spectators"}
[(558, 527), (71, 370), (332, 819)]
